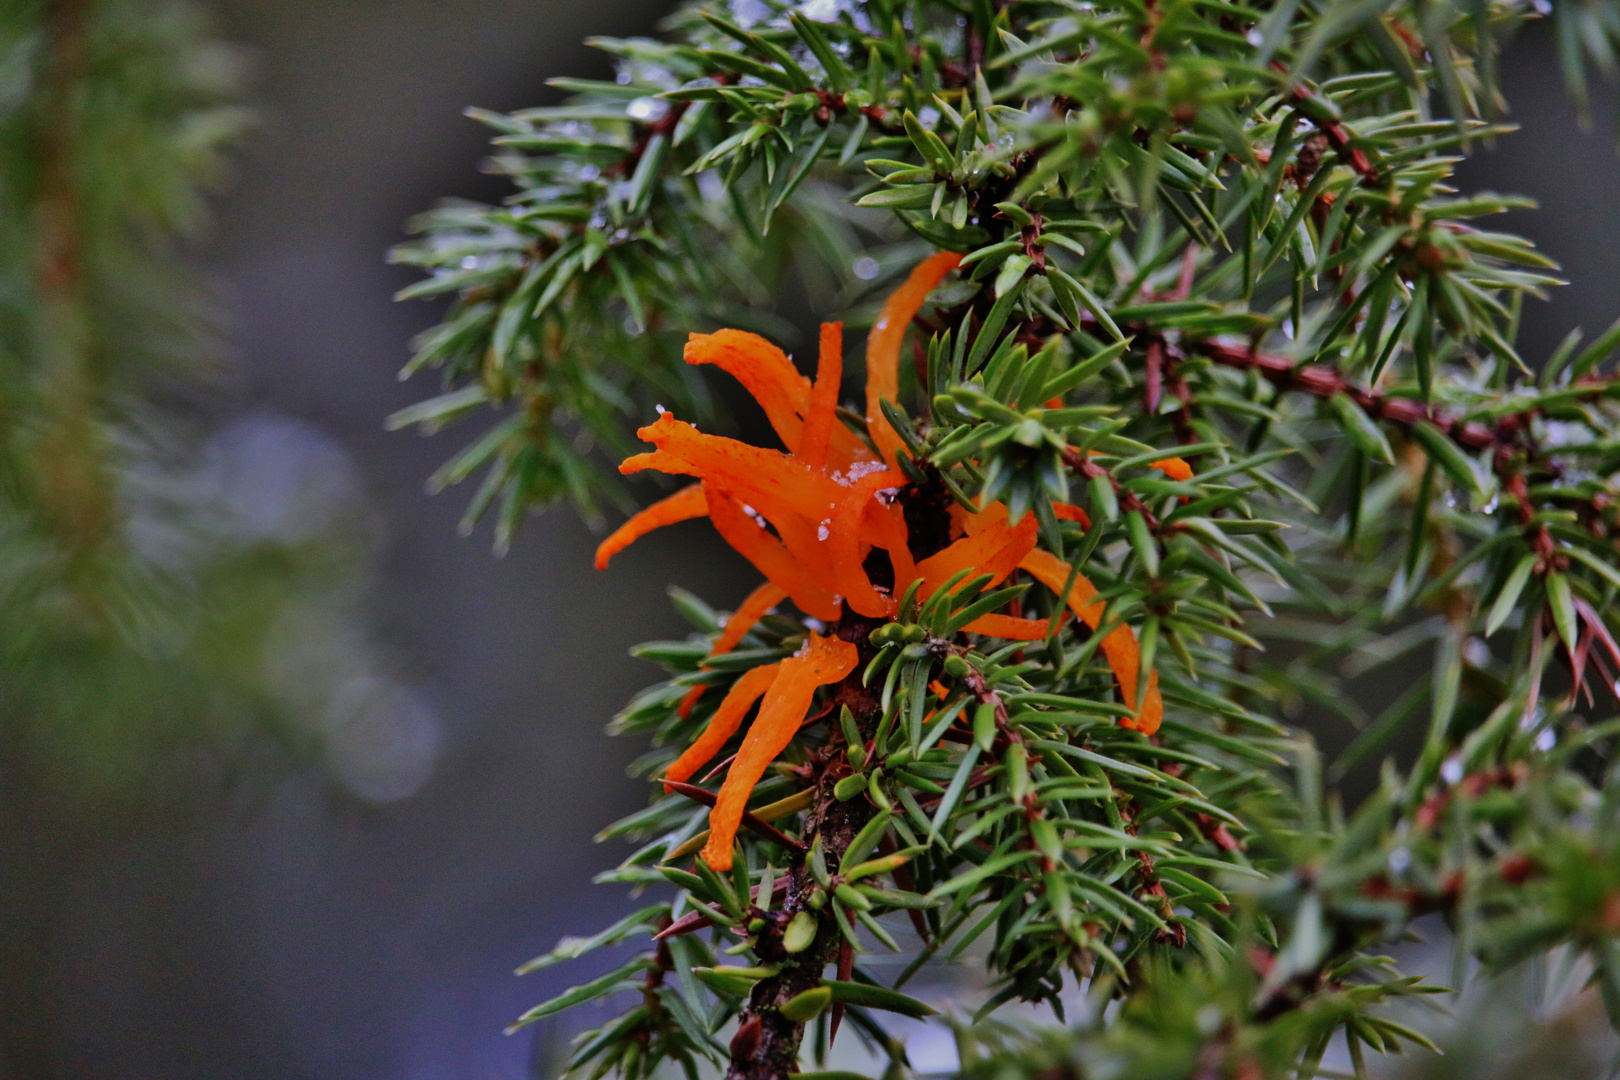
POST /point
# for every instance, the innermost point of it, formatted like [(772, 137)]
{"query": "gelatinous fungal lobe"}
[(754, 542), (754, 607), (1119, 648), (822, 414), (819, 662), (884, 341), (684, 505), (725, 721)]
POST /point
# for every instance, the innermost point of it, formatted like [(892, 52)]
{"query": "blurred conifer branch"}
[(1212, 401), (146, 598), (137, 602)]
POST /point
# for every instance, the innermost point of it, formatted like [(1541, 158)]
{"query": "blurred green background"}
[(342, 890)]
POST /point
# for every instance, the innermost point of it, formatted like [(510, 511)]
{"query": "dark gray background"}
[(308, 935)]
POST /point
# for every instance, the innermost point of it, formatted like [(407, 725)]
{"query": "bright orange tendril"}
[(821, 661), (765, 372), (753, 608), (883, 345), (684, 505), (823, 412), (725, 721), (1119, 648)]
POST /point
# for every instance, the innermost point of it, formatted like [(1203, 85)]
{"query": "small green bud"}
[(800, 932), (984, 725), (849, 787), (755, 925), (852, 731), (808, 1005), (818, 900), (957, 667), (875, 792), (1045, 835), (817, 862), (1017, 771), (856, 753), (850, 898)]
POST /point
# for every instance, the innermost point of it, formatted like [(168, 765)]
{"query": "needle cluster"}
[(1195, 391)]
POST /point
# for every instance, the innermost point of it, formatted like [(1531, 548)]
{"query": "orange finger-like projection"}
[(883, 345), (885, 527), (765, 372), (684, 505), (821, 661), (725, 721), (846, 542), (1175, 468), (771, 379), (774, 483), (750, 539), (1119, 648), (993, 549), (822, 414), (755, 606)]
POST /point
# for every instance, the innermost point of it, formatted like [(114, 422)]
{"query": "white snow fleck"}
[(648, 110), (857, 470)]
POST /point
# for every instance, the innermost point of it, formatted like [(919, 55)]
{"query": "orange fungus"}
[(821, 661), (725, 721), (809, 515), (685, 504)]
